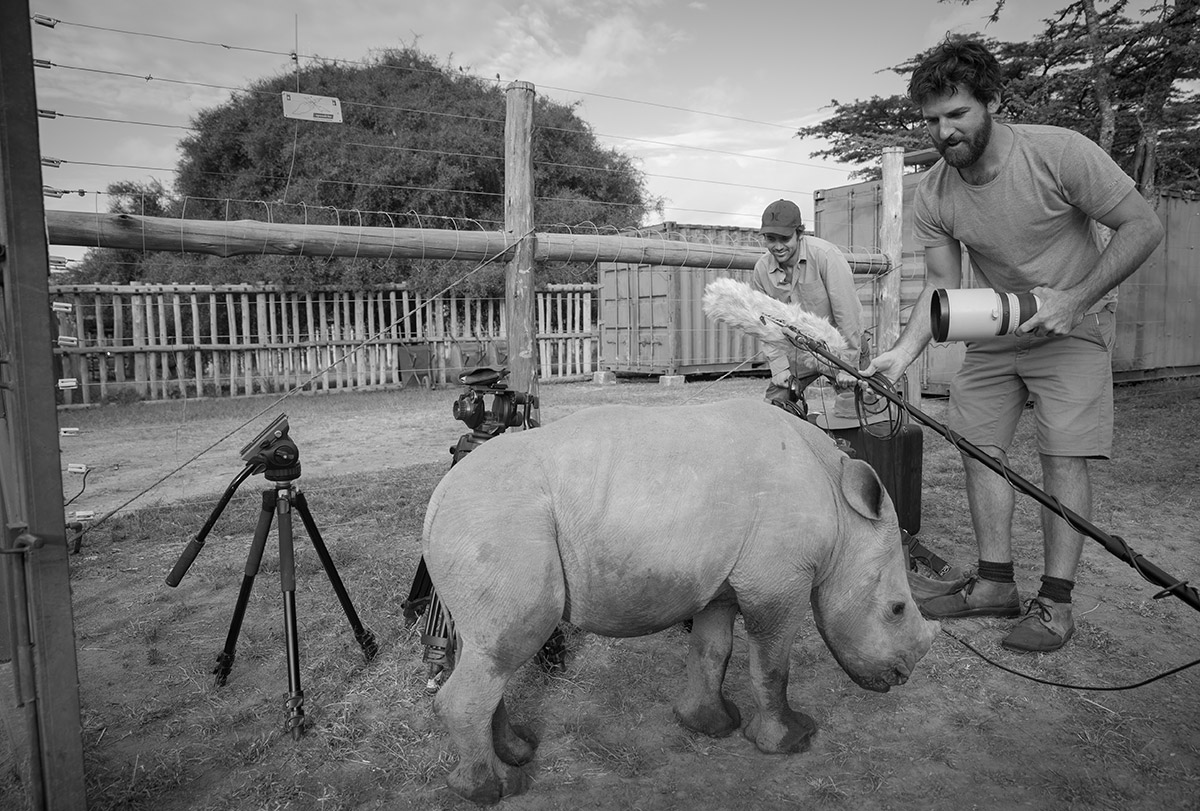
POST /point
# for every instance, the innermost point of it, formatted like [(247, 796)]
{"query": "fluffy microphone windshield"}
[(739, 305)]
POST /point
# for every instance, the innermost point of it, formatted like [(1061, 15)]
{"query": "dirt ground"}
[(962, 734)]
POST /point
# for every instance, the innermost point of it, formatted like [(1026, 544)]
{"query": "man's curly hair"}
[(957, 62)]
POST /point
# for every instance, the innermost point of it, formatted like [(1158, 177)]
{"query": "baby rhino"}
[(626, 521)]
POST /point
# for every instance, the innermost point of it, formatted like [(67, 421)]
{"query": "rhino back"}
[(652, 508)]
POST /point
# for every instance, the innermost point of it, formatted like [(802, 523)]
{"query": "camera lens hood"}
[(967, 315)]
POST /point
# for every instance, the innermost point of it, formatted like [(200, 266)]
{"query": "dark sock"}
[(1056, 589), (996, 572)]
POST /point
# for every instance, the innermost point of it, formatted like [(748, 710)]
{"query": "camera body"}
[(508, 409), (968, 315)]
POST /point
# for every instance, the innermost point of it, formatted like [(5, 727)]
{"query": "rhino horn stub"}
[(862, 488)]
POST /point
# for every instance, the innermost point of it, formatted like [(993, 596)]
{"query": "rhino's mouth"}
[(881, 683)]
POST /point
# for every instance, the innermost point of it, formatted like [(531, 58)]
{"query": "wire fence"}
[(93, 73)]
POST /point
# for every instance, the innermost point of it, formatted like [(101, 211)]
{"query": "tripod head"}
[(508, 409), (273, 453)]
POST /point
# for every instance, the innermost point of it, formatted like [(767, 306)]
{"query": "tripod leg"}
[(364, 637), (287, 576), (439, 641), (418, 595), (225, 659)]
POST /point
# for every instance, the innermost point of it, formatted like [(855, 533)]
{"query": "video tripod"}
[(274, 454), (509, 409)]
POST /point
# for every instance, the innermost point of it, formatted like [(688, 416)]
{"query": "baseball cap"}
[(781, 218)]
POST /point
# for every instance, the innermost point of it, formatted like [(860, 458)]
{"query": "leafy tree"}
[(421, 145), (858, 131), (1092, 69)]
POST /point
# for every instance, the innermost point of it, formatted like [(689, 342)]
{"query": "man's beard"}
[(975, 144)]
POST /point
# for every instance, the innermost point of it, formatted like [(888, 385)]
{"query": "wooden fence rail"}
[(175, 341)]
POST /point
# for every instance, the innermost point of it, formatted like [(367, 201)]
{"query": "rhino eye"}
[(897, 609)]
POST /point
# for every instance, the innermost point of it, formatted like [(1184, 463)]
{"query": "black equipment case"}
[(897, 462)]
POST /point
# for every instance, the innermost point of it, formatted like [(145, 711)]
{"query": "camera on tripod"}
[(508, 409)]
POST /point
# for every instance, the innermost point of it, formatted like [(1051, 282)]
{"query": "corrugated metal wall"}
[(1160, 304), (652, 319)]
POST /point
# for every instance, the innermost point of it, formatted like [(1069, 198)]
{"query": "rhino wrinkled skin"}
[(628, 520)]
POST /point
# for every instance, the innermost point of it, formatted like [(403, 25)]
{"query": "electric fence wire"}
[(299, 387), (400, 187), (294, 56)]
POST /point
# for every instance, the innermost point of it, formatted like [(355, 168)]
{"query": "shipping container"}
[(652, 319), (1159, 305)]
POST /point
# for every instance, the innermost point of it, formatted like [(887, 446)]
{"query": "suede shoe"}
[(976, 598), (1046, 627)]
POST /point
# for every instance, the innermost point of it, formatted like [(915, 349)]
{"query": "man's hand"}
[(1058, 313), (889, 365), (844, 380)]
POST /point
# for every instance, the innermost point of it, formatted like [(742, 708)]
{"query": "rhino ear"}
[(862, 488)]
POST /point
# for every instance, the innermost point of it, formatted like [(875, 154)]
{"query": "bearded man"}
[(1023, 200)]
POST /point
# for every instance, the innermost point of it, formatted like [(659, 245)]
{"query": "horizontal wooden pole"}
[(247, 237)]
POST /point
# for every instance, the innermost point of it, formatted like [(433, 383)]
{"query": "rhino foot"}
[(515, 745), (483, 785), (788, 733), (714, 719)]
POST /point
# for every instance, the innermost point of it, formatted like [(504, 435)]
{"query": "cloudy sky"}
[(705, 94)]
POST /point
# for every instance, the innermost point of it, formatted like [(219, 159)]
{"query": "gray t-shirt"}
[(1031, 225)]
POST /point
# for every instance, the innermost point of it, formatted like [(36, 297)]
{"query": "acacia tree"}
[(421, 145), (1092, 69)]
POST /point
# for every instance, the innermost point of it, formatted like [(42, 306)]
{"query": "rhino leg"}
[(514, 745), (775, 728), (470, 704), (703, 707)]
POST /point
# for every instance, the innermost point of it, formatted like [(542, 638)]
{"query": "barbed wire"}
[(578, 200)]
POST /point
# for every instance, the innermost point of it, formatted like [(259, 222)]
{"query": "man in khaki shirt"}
[(813, 273)]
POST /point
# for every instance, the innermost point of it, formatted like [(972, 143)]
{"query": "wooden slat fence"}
[(174, 341)]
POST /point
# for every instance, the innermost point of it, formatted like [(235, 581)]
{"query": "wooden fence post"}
[(37, 644), (519, 295), (890, 245)]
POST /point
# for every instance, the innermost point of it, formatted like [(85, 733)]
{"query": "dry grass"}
[(158, 734)]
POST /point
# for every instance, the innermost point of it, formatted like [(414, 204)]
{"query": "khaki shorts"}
[(1068, 378)]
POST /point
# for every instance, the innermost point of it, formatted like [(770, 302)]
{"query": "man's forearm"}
[(917, 332), (1130, 246)]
